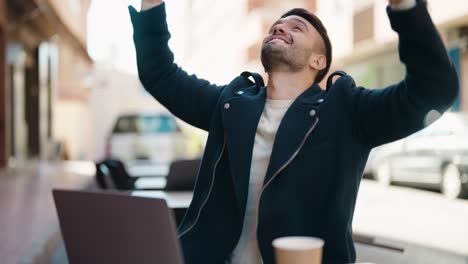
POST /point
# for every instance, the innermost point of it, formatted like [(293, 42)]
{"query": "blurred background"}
[(70, 96)]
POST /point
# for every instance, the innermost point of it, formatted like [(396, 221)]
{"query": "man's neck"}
[(287, 85)]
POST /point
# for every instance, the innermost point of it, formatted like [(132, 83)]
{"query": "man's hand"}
[(401, 4), (147, 4), (394, 2)]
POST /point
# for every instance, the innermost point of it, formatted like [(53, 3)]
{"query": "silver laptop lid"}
[(116, 228)]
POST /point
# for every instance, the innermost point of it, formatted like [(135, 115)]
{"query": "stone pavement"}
[(29, 229)]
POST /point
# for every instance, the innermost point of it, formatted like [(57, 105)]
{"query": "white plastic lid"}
[(298, 243)]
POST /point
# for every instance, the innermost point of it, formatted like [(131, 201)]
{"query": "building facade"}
[(45, 65), (366, 47), (3, 92)]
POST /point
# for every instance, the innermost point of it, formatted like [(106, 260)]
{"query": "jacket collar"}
[(309, 96)]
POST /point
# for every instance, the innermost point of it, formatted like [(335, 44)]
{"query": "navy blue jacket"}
[(321, 145)]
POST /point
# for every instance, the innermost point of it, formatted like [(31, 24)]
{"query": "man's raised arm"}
[(186, 96), (431, 82)]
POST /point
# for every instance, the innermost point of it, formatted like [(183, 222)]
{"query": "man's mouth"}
[(279, 40)]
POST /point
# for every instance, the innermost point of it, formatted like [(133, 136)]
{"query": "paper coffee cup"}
[(298, 250)]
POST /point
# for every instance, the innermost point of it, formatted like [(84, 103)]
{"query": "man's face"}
[(290, 45)]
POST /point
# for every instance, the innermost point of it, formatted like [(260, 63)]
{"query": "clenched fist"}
[(394, 2), (401, 4), (147, 4)]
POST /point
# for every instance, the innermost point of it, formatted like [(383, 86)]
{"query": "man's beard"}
[(281, 59)]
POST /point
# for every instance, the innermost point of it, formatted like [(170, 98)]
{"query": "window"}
[(157, 124), (126, 124), (363, 24), (150, 124)]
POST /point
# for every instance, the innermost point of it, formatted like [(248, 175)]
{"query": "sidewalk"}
[(29, 229)]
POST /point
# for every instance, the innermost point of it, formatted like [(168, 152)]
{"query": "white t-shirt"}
[(246, 251)]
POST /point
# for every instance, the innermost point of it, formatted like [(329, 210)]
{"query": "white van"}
[(147, 139)]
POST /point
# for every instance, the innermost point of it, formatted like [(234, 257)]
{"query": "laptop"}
[(116, 228)]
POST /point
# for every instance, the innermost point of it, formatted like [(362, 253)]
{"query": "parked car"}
[(435, 157), (140, 139)]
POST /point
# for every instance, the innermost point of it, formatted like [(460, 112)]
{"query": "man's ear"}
[(318, 62)]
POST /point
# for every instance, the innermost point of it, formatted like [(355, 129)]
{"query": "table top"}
[(174, 199)]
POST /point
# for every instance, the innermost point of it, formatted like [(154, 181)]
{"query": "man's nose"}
[(279, 29)]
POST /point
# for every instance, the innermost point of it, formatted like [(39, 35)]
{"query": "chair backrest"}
[(119, 175), (100, 176), (182, 175), (108, 178), (103, 177)]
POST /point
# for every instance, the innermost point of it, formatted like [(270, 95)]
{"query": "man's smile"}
[(279, 39)]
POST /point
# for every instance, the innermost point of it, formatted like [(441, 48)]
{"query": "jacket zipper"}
[(209, 192), (278, 171)]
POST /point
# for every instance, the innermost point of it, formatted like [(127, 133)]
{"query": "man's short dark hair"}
[(317, 24)]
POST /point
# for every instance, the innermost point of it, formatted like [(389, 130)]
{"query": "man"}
[(287, 159)]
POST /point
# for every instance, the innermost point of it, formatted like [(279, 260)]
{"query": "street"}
[(424, 221)]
